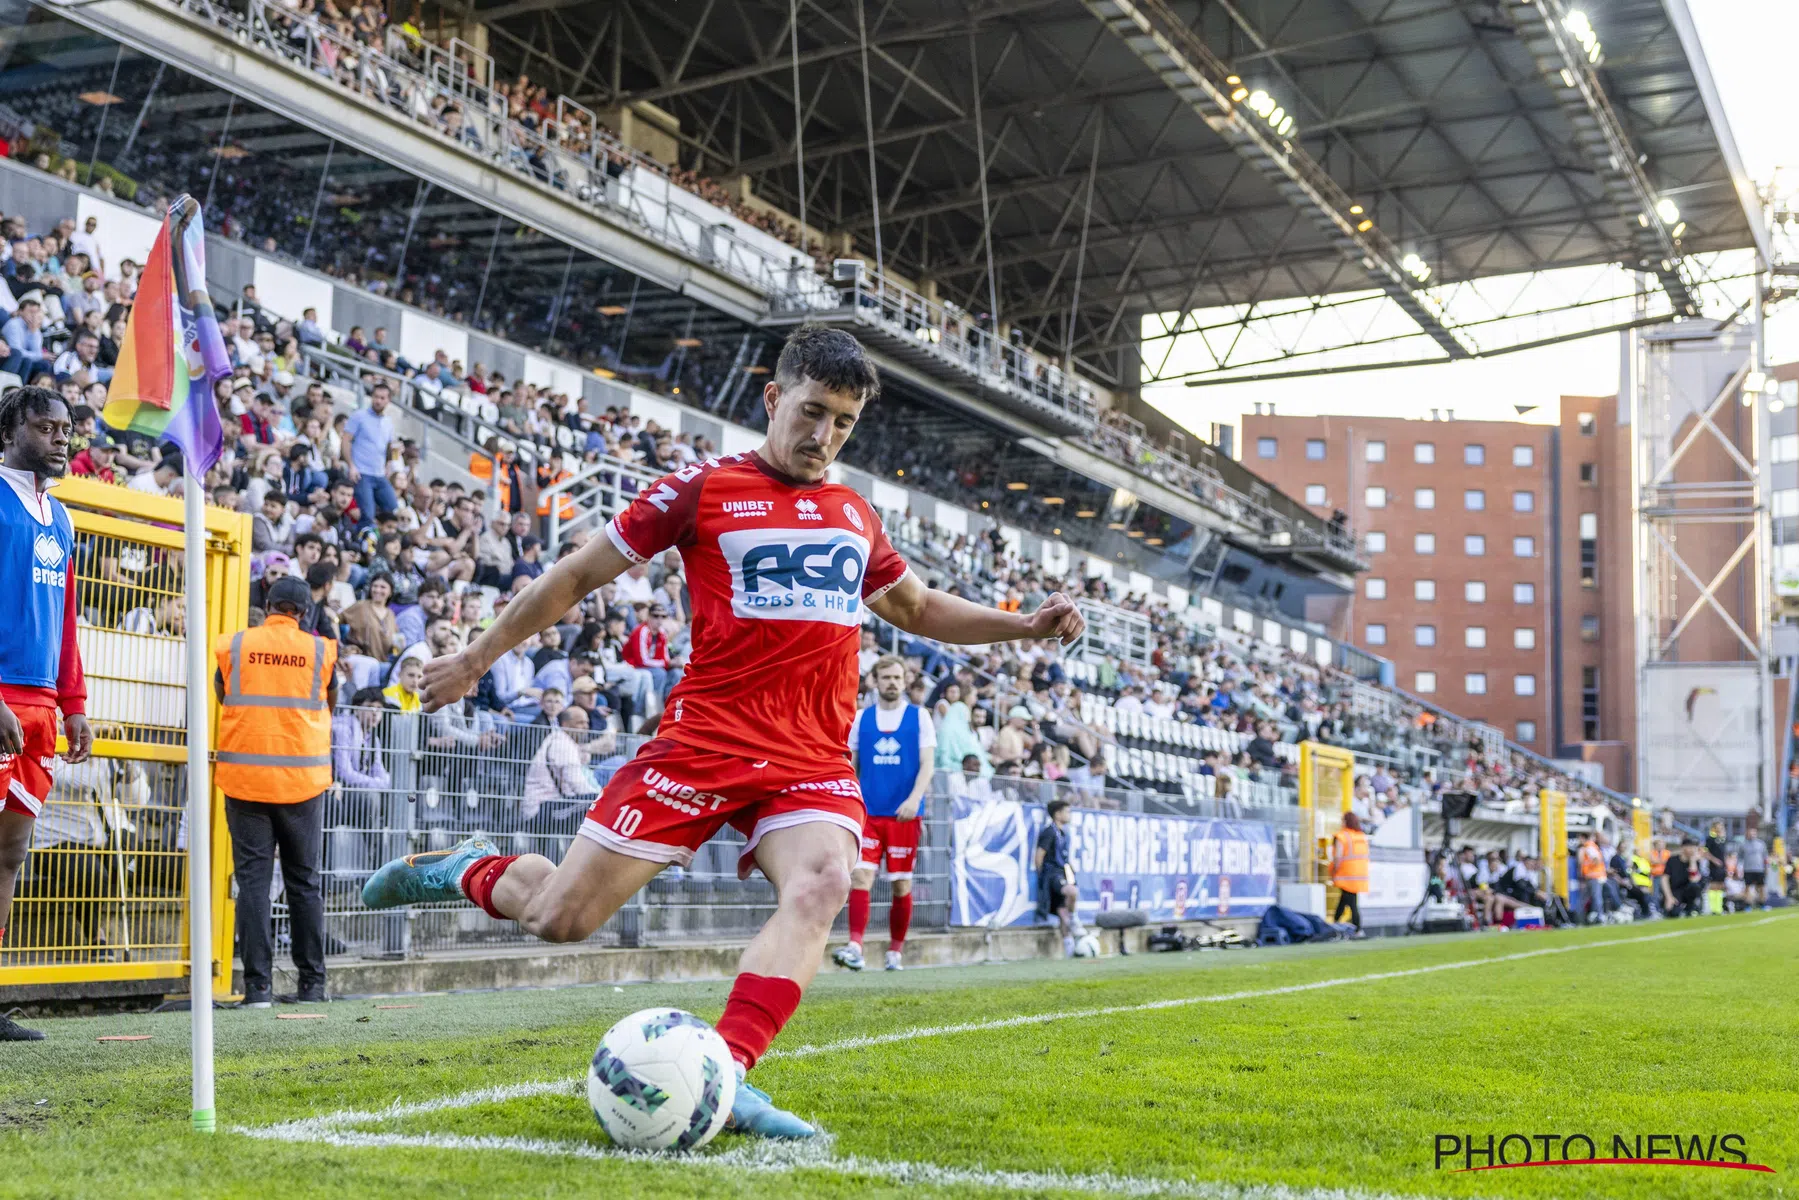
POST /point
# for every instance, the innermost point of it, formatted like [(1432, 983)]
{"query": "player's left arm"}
[(911, 606), (71, 685)]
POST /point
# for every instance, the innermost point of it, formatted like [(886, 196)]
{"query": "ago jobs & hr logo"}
[(796, 574)]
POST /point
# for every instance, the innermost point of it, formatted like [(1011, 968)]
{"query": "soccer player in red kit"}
[(780, 563)]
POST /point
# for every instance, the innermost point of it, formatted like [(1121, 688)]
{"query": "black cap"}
[(289, 590)]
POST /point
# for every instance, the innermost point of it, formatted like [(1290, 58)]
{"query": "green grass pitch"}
[(1286, 1074)]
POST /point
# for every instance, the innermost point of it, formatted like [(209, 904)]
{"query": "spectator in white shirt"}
[(634, 584), (559, 776), (1128, 700)]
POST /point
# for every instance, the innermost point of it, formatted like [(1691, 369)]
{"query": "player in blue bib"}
[(893, 744)]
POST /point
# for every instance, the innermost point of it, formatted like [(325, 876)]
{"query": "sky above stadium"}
[(1746, 45)]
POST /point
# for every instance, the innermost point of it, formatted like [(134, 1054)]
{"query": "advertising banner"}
[(1170, 867)]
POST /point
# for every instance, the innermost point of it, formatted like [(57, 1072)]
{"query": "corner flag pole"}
[(199, 804)]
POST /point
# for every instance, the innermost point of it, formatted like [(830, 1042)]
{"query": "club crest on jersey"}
[(808, 510), (855, 518), (796, 574)]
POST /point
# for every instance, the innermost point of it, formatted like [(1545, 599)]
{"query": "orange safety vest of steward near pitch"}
[(1658, 862), (1592, 861), (1349, 871), (275, 725)]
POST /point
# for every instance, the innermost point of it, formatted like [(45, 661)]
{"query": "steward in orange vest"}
[(276, 687), (1349, 868), (547, 477)]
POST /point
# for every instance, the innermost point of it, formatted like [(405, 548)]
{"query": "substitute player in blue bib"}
[(893, 744), (40, 666)]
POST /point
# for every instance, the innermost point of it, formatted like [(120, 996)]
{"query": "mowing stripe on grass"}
[(321, 1128), (782, 1158)]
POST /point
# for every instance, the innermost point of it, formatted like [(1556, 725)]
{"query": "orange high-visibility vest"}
[(1658, 862), (564, 502), (491, 472), (1349, 868), (275, 727), (1592, 861)]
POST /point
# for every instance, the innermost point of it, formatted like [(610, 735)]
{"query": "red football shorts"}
[(25, 778), (893, 839), (670, 799)]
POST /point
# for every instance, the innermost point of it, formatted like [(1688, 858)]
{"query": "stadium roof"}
[(1481, 138)]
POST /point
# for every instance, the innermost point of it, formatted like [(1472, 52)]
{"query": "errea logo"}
[(808, 510), (887, 751), (48, 555)]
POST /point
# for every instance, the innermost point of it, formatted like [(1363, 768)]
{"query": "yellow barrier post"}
[(1552, 809), (104, 895), (1326, 786)]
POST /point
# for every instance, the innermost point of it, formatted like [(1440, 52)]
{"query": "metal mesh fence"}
[(106, 878)]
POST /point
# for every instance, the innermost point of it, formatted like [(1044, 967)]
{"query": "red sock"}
[(899, 920), (858, 914), (758, 1007), (479, 880)]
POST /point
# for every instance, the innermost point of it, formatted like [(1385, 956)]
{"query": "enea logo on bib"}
[(796, 574)]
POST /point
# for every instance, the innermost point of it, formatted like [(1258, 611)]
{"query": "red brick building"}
[(1500, 581)]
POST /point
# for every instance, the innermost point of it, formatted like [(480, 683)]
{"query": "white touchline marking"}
[(328, 1128), (781, 1158)]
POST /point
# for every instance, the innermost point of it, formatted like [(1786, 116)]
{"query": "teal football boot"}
[(425, 878)]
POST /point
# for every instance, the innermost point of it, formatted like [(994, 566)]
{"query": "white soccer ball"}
[(662, 1079), (1086, 946)]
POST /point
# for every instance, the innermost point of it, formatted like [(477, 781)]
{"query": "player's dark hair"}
[(832, 357), (1054, 807), (19, 402)]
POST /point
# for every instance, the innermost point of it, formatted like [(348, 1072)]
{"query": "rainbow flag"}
[(162, 386)]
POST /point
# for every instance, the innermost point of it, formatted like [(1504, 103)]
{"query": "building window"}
[(1424, 452), (1474, 592), (1375, 497), (1524, 593), (1524, 685), (1474, 456), (1267, 447), (1374, 589), (1424, 682), (1589, 473), (1589, 628), (1424, 543), (1524, 456), (1376, 635), (1589, 704), (1315, 493), (1315, 449), (1784, 447), (1474, 500), (1474, 545), (1424, 498), (1424, 635), (1475, 637), (1524, 639), (1587, 423), (1524, 547), (1424, 589), (1589, 550), (1523, 502), (1526, 733), (1475, 683), (1375, 543), (1374, 452)]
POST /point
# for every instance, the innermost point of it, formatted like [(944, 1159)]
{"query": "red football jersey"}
[(779, 571)]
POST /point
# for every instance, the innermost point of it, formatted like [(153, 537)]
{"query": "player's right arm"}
[(533, 610)]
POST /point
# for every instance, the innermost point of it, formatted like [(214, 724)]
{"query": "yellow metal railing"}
[(103, 895), (1326, 791)]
